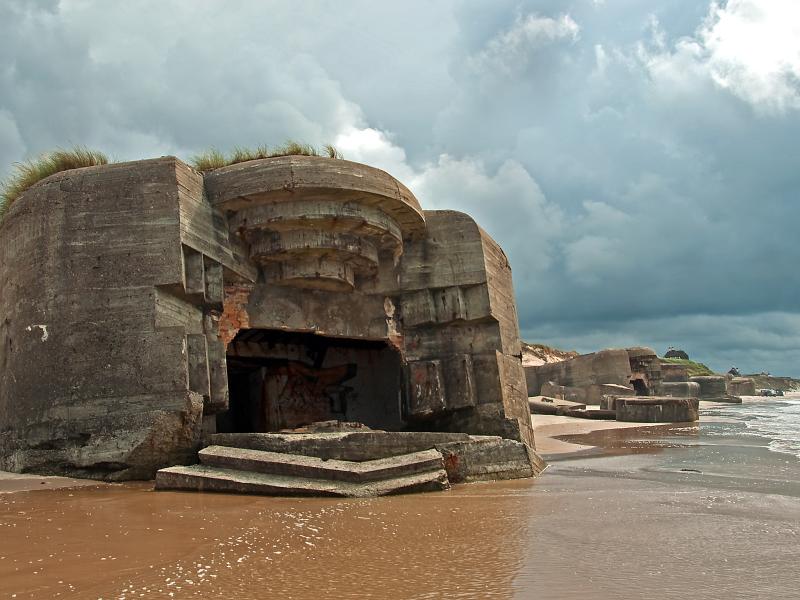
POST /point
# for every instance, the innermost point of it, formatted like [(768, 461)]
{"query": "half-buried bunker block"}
[(657, 409)]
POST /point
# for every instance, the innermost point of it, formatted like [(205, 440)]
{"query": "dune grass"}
[(693, 368), (34, 170), (214, 159)]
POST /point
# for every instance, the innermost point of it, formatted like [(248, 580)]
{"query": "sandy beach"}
[(622, 512), (548, 429)]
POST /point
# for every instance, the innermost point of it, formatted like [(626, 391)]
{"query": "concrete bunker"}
[(260, 296), (637, 369)]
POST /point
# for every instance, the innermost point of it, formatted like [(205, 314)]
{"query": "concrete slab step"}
[(354, 446), (278, 463), (204, 478), (489, 459)]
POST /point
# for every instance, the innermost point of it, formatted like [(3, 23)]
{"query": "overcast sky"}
[(638, 160)]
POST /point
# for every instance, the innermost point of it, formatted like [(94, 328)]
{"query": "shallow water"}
[(684, 513), (777, 420)]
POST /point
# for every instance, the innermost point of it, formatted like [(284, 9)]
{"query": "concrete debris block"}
[(489, 458), (742, 386), (350, 446), (543, 405), (713, 388), (656, 409), (681, 389)]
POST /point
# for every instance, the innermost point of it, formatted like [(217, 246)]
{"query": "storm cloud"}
[(637, 160)]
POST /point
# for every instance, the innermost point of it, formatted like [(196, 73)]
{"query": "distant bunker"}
[(147, 307), (636, 369), (742, 386), (627, 384), (714, 388)]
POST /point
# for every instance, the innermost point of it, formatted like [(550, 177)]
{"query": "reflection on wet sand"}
[(125, 541), (636, 440)]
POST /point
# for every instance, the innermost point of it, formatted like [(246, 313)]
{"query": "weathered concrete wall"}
[(742, 386), (348, 315), (592, 394), (460, 330), (673, 373), (712, 387), (563, 392), (104, 369), (654, 409), (681, 389)]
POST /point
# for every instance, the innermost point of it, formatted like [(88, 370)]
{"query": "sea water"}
[(776, 420)]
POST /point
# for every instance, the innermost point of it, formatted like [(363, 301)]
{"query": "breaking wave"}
[(778, 421)]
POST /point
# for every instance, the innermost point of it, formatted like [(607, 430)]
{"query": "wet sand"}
[(552, 430), (659, 515), (20, 482), (558, 436)]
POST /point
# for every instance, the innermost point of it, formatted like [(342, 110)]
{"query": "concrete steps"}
[(276, 463), (354, 464), (243, 470), (204, 478)]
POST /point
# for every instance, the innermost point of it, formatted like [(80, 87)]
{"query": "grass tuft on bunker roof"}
[(693, 368), (214, 159), (32, 171)]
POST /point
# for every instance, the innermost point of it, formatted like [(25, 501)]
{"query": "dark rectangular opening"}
[(282, 380), (640, 387)]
